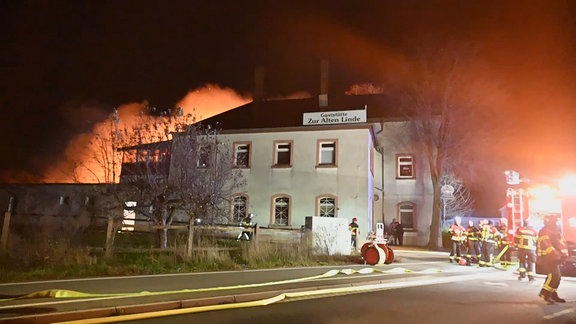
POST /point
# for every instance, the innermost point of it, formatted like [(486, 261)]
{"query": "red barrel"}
[(375, 254)]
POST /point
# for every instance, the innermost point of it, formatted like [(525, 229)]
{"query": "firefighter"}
[(472, 239), (504, 248), (488, 236), (552, 251), (457, 237), (525, 240), (354, 232), (245, 224)]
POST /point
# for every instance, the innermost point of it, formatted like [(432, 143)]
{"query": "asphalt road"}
[(420, 287)]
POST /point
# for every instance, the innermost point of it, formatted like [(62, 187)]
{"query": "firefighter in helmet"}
[(472, 238), (525, 240), (247, 222), (551, 252), (457, 237), (488, 236), (504, 249)]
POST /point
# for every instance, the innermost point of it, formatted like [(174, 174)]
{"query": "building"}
[(343, 156)]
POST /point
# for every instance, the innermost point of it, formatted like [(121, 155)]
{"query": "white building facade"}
[(329, 171), (362, 168)]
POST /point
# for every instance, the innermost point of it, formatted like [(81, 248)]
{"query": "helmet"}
[(550, 218), (354, 219), (462, 261), (527, 222), (250, 215)]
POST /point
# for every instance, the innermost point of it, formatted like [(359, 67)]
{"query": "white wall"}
[(330, 235), (351, 182), (394, 141)]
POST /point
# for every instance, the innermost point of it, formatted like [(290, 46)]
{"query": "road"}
[(420, 287)]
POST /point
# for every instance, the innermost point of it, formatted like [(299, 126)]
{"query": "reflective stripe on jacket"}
[(526, 238), (551, 243), (473, 233), (489, 233), (457, 232)]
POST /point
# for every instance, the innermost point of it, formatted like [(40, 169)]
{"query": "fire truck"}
[(526, 200)]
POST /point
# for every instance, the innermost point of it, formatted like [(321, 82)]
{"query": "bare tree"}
[(203, 170), (447, 106), (179, 167), (460, 203), (102, 166)]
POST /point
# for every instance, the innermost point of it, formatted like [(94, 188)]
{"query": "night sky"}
[(64, 65)]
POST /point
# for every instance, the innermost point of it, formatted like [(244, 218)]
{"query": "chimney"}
[(258, 83), (323, 97)]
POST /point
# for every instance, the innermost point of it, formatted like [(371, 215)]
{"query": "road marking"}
[(560, 313), (282, 297), (502, 284)]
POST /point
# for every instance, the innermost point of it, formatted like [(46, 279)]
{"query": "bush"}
[(60, 260)]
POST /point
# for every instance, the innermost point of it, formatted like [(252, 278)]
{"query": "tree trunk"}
[(5, 233), (163, 235), (110, 236), (435, 239), (190, 245)]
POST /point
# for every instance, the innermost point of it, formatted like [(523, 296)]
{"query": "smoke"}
[(82, 158)]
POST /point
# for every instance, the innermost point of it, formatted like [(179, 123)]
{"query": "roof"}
[(289, 112)]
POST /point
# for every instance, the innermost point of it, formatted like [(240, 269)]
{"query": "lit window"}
[(156, 156), (404, 167), (143, 155), (281, 211), (327, 207), (242, 155), (406, 214), (204, 157), (239, 209), (327, 152), (129, 219), (283, 153), (129, 156)]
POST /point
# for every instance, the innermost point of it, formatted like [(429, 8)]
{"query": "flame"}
[(82, 160)]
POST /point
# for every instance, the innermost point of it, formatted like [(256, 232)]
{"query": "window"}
[(242, 155), (129, 156), (129, 219), (204, 157), (404, 166), (406, 212), (143, 155), (327, 207), (239, 208), (327, 152), (281, 210), (283, 153)]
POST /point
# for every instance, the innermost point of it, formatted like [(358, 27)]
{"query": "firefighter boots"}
[(555, 298), (545, 294)]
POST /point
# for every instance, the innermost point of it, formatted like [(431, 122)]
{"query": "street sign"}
[(447, 191)]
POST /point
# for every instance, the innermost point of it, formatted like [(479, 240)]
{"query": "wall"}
[(351, 182), (419, 190)]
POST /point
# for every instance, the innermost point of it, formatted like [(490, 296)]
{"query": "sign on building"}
[(334, 117)]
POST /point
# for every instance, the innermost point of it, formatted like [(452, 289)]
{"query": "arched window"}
[(281, 210), (406, 214), (239, 208), (326, 206)]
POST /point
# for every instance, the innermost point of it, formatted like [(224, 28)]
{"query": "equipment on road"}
[(376, 250)]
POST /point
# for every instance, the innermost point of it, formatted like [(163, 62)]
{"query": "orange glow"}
[(82, 163), (567, 185)]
